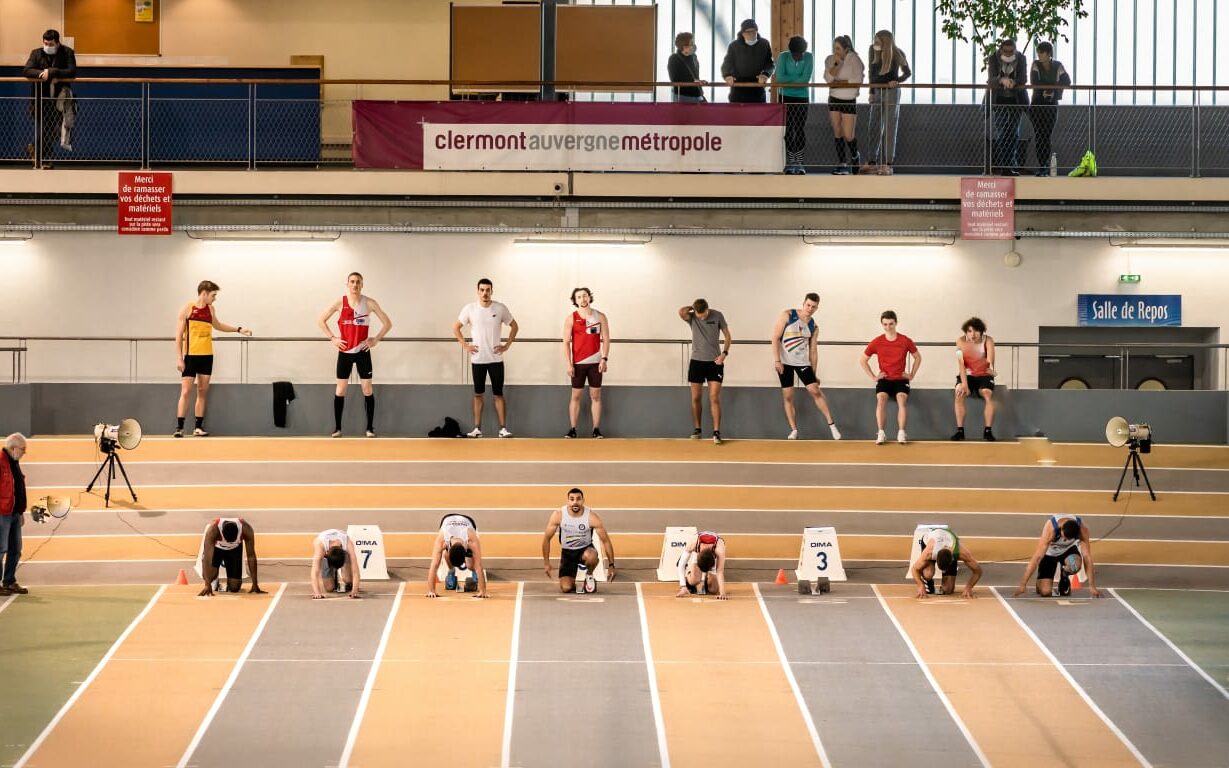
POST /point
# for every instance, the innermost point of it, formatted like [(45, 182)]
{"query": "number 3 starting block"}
[(369, 546), (675, 541), (819, 562)]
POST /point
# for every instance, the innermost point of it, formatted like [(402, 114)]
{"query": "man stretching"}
[(354, 345), (194, 352), (795, 353), (708, 355)]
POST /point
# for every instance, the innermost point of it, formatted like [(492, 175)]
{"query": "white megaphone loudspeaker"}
[(55, 506), (127, 434), (1117, 432)]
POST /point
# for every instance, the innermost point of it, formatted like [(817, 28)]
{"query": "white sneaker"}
[(793, 435), (901, 437), (503, 432), (836, 433), (881, 438), (477, 432)]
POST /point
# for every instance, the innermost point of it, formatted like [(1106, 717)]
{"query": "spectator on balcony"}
[(889, 67), (684, 67), (795, 65), (1008, 98), (50, 67), (844, 66), (1043, 113), (747, 60)]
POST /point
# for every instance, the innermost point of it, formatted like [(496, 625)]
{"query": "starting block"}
[(915, 548), (820, 586), (369, 546), (463, 576), (200, 560), (819, 562), (675, 541)]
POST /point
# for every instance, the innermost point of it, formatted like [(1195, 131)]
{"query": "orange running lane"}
[(440, 693), (145, 705), (1019, 708), (725, 699)]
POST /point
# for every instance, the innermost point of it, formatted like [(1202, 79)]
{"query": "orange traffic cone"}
[(183, 578), (781, 577)]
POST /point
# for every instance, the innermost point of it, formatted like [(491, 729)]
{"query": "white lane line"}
[(793, 682), (6, 603), (934, 684), (86, 683), (1072, 682), (663, 750), (371, 678), (505, 754), (230, 680), (1190, 662)]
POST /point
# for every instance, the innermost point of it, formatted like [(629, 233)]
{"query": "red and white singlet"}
[(354, 324)]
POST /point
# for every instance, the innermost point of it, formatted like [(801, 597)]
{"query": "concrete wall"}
[(541, 411), (95, 284)]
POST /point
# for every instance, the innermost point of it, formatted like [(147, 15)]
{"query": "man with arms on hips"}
[(974, 374), (486, 319), (354, 344), (225, 540), (575, 525), (334, 564), (458, 543), (943, 552), (708, 355), (12, 512), (1064, 546), (893, 350), (702, 566), (795, 353), (194, 352), (586, 346)]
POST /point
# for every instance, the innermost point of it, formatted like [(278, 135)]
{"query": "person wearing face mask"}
[(684, 67), (844, 66), (50, 66), (748, 60), (1008, 75), (888, 67), (795, 65), (1043, 113)]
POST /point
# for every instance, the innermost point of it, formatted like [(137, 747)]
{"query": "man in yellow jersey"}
[(194, 352)]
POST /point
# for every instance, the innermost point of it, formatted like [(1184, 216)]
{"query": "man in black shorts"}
[(486, 319), (974, 374), (575, 525), (707, 363), (354, 344), (1062, 550), (942, 552), (226, 538), (795, 353), (586, 349), (892, 381), (194, 329)]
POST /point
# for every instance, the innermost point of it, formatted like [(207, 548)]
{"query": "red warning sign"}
[(987, 208), (144, 203)]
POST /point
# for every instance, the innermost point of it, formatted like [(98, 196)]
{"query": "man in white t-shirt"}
[(486, 319)]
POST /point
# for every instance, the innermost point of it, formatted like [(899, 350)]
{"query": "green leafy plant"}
[(983, 22)]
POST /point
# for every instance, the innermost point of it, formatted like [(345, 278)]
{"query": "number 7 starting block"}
[(369, 546)]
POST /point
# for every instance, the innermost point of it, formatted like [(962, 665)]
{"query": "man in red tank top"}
[(974, 374), (586, 346), (354, 345)]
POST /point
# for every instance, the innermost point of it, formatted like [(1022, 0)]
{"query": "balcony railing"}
[(238, 123)]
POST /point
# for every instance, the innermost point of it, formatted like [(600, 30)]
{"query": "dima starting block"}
[(819, 562), (369, 546), (463, 577), (673, 543)]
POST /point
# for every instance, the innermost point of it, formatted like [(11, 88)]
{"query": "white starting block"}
[(675, 541), (915, 548), (820, 557), (369, 546), (200, 560), (463, 574)]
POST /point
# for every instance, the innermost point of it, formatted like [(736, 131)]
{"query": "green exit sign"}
[(1128, 278)]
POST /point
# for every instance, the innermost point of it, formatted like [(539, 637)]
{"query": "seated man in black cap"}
[(748, 60)]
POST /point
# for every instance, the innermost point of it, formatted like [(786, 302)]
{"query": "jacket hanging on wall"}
[(283, 393)]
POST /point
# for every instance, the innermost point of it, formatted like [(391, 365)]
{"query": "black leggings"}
[(1043, 117), (795, 122)]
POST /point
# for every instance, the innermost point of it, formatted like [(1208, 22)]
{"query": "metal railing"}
[(637, 362), (240, 125)]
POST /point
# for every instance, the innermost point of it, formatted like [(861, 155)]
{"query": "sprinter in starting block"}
[(702, 567), (943, 552), (575, 525), (226, 538), (458, 544), (1063, 547), (334, 564)]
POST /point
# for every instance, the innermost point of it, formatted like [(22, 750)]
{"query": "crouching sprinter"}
[(942, 551), (334, 564), (226, 538), (457, 542)]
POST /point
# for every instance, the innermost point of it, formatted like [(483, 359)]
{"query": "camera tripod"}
[(1136, 465), (109, 465)]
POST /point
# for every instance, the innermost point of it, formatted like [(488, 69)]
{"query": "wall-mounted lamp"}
[(572, 241), (263, 235), (15, 236)]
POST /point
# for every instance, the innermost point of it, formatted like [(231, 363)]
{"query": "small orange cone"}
[(781, 577), (183, 578)]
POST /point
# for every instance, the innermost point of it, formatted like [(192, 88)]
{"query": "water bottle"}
[(1053, 163)]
